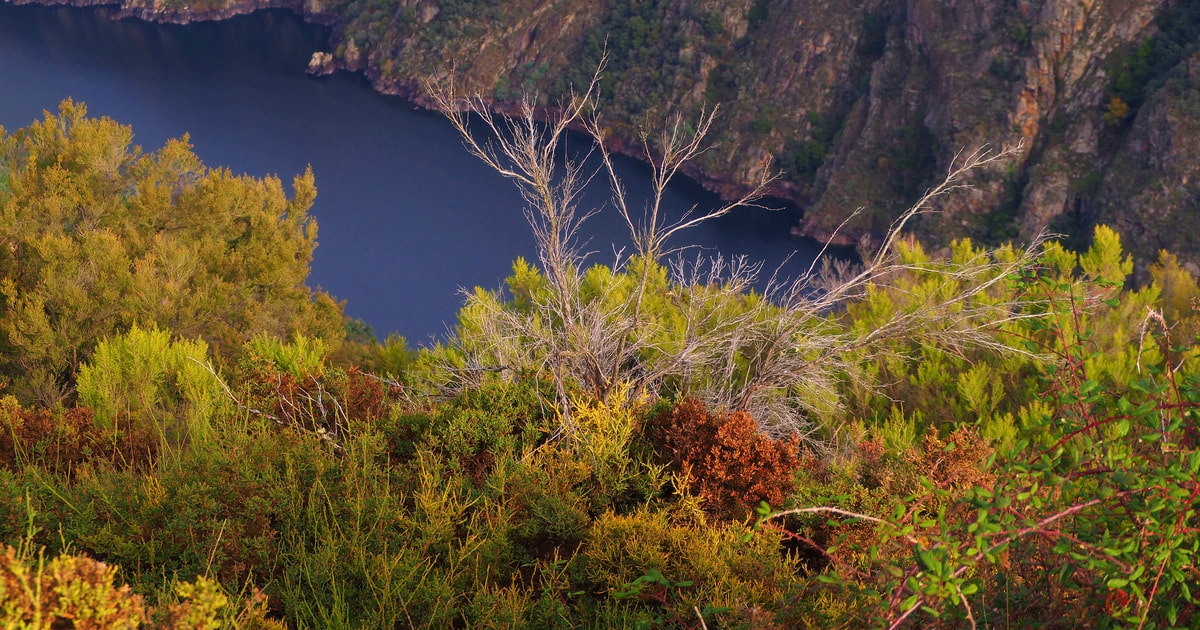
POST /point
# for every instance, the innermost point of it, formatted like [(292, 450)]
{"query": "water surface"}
[(406, 215)]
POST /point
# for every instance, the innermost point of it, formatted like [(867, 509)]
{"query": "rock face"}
[(321, 64), (861, 103)]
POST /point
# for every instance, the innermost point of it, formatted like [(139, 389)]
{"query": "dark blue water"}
[(406, 215)]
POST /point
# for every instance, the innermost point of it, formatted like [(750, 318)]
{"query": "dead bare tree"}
[(770, 354)]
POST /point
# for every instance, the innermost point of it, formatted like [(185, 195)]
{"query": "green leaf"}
[(1116, 583)]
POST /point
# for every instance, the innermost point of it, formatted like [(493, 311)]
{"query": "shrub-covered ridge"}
[(1006, 438)]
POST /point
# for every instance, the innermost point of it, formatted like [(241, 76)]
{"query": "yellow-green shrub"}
[(723, 571), (40, 594), (152, 379)]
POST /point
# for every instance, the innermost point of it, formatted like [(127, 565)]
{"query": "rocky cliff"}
[(860, 103)]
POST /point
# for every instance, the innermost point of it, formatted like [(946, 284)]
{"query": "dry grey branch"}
[(779, 355)]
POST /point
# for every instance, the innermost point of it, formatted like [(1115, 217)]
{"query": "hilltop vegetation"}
[(1006, 438), (99, 236)]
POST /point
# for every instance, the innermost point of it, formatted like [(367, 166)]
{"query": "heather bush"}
[(69, 591), (62, 441), (729, 464), (75, 591)]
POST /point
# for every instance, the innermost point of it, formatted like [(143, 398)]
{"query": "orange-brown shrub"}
[(365, 396), (58, 441), (729, 463), (315, 402), (957, 468), (878, 481)]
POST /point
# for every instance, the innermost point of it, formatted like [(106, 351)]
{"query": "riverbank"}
[(411, 90), (397, 192)]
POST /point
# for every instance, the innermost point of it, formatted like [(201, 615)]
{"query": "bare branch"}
[(781, 355)]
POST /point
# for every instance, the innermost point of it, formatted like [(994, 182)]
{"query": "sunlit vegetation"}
[(99, 236), (192, 438)]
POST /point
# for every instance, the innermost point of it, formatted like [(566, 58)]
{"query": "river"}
[(406, 215)]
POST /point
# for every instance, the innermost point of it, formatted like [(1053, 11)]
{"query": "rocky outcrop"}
[(321, 64), (1151, 193), (861, 103)]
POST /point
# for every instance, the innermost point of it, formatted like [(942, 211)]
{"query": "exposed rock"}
[(321, 63), (1152, 191), (864, 102)]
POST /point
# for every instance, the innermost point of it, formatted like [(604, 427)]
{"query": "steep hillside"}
[(859, 102)]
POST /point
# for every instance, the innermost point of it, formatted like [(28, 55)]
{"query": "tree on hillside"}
[(97, 236)]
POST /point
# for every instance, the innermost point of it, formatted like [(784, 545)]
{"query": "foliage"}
[(800, 160), (70, 589), (996, 435), (100, 236), (728, 463), (61, 441), (300, 357), (1137, 71), (290, 384), (696, 329), (1094, 496), (75, 591), (679, 568), (155, 382)]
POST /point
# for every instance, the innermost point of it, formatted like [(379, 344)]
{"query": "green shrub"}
[(701, 567), (146, 376), (301, 357)]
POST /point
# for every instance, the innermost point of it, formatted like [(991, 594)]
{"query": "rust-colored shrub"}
[(322, 403), (364, 396), (959, 467), (58, 441), (728, 462), (303, 402)]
